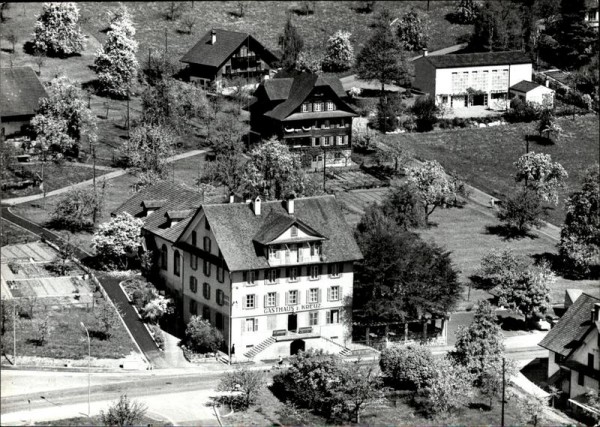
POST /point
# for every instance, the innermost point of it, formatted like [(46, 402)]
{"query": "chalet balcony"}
[(301, 332), (292, 259), (294, 132)]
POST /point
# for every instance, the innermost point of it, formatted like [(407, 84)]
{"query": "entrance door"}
[(292, 322), (296, 346)]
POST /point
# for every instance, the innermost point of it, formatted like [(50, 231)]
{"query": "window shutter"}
[(319, 296), (245, 276), (329, 268), (312, 141), (243, 326), (277, 273), (328, 294), (307, 296), (265, 297), (287, 298), (328, 317), (287, 272), (256, 324), (277, 299)]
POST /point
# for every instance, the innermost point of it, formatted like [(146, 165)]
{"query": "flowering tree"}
[(115, 63), (77, 210), (118, 240), (413, 31), (201, 336), (434, 187), (310, 61), (580, 234), (450, 388), (149, 148), (498, 267), (541, 175), (547, 125), (56, 31), (339, 53)]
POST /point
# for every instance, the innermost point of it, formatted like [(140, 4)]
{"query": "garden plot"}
[(34, 252), (350, 180)]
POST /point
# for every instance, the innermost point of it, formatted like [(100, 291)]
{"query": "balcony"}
[(300, 333), (299, 131), (291, 259)]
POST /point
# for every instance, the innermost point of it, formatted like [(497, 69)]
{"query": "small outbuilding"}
[(533, 92), (20, 95)]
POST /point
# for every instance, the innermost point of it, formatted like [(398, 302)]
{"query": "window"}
[(220, 274), (325, 140), (176, 263), (292, 274), (194, 262), (313, 318), (315, 249), (206, 291), (164, 257), (206, 268), (206, 224), (558, 358), (206, 313), (250, 301), (219, 321), (193, 307), (333, 316), (271, 299), (334, 293), (315, 272), (272, 276), (334, 270), (317, 141), (339, 140), (581, 379), (193, 284), (294, 231), (345, 139), (220, 297), (590, 361), (330, 106), (251, 325), (305, 108), (249, 277), (292, 298), (313, 296), (194, 238), (207, 244), (318, 106), (273, 252)]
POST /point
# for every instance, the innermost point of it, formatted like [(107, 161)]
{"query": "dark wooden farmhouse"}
[(227, 55), (20, 95), (309, 113)]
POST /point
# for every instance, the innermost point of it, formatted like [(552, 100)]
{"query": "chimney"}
[(596, 313), (232, 198), (257, 206), (213, 36), (290, 205), (425, 52), (547, 82)]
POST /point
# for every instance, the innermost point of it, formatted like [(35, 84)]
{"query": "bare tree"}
[(40, 60), (11, 37), (188, 22), (174, 10)]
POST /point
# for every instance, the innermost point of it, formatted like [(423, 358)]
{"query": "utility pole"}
[(166, 43), (94, 183), (324, 166), (15, 334), (89, 367), (503, 389)]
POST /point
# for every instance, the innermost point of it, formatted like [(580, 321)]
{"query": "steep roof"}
[(572, 328), (176, 200), (235, 227), (526, 86), (477, 59), (276, 224), (20, 91), (302, 85), (227, 42), (278, 89)]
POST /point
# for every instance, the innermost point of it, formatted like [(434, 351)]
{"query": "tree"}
[(291, 44), (116, 63), (498, 267), (531, 408), (382, 58), (425, 112), (571, 42), (339, 52), (107, 318), (365, 6), (188, 22), (466, 11), (450, 389), (56, 31), (498, 27), (42, 327), (492, 378), (149, 148), (118, 240), (174, 10), (11, 37), (124, 412), (65, 255), (403, 206), (541, 175), (401, 277), (310, 61), (4, 7), (40, 59), (479, 345), (530, 293), (580, 235), (521, 211), (409, 367), (413, 31), (248, 382), (388, 111), (275, 172), (63, 118), (359, 386), (75, 211), (548, 126), (434, 187), (201, 336)]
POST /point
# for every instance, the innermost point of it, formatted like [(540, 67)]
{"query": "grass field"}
[(12, 234), (484, 157), (94, 421)]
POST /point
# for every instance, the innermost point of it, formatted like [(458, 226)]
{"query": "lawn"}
[(94, 421), (484, 157), (13, 234)]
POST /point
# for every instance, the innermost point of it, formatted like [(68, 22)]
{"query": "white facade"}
[(541, 95)]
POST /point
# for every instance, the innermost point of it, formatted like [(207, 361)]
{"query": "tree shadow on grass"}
[(509, 233), (510, 323), (480, 406), (562, 268), (29, 48), (540, 140)]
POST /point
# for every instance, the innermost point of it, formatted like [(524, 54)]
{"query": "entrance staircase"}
[(260, 347), (344, 351)]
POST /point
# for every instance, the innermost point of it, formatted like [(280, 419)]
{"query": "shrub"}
[(202, 337), (57, 31), (388, 110), (521, 211), (522, 111), (124, 412), (248, 382), (425, 112), (158, 335), (408, 367), (450, 388)]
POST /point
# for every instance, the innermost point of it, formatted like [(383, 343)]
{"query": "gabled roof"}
[(235, 226), (153, 204), (277, 224), (477, 59), (179, 201), (278, 89), (572, 328), (227, 42), (301, 87), (20, 91), (526, 86)]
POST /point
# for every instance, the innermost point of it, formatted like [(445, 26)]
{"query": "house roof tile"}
[(570, 330), (20, 91), (526, 86), (477, 59)]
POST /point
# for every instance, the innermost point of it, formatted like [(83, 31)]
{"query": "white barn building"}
[(533, 92)]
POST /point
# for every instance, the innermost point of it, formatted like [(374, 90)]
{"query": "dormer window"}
[(305, 108), (315, 249), (330, 106), (318, 106), (294, 231), (273, 252)]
